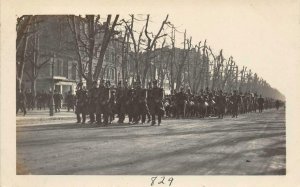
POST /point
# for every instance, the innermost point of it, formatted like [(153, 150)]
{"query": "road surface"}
[(252, 144)]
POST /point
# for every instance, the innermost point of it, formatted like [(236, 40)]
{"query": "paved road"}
[(253, 144)]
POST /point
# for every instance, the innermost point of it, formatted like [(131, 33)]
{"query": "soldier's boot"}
[(159, 119), (153, 120), (78, 118)]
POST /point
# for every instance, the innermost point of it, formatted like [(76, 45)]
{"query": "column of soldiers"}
[(216, 103), (103, 102)]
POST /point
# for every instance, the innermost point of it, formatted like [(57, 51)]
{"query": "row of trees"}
[(139, 52)]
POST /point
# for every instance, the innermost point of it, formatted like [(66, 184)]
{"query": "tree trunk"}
[(21, 65)]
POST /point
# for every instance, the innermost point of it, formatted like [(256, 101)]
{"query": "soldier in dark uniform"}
[(39, 100), (122, 101), (180, 102), (221, 103), (81, 103), (57, 100), (44, 99), (130, 104), (119, 95), (158, 96), (260, 102), (235, 100), (21, 102), (112, 105), (255, 101), (29, 99), (141, 100), (142, 103), (149, 99), (70, 101), (104, 102), (92, 104), (99, 109), (277, 104)]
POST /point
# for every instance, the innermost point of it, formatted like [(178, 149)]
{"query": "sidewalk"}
[(43, 115)]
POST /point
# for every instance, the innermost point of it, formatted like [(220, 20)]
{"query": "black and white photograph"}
[(203, 89)]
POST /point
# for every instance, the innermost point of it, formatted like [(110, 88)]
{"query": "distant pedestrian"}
[(70, 101), (260, 102), (157, 109), (235, 101), (57, 100), (21, 102)]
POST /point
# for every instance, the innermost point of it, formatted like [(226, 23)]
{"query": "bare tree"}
[(150, 45), (23, 25), (187, 44), (136, 43), (33, 61), (91, 44)]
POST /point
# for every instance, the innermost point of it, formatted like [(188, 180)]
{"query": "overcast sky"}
[(263, 36)]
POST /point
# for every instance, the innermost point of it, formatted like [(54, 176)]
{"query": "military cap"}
[(79, 84), (154, 81)]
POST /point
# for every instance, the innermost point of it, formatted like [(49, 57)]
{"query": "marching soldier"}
[(260, 102), (57, 100), (122, 98), (29, 99), (180, 102), (130, 103), (119, 95), (235, 100), (39, 101), (221, 102), (70, 101), (104, 97), (157, 98), (99, 107), (92, 98), (277, 104), (140, 103), (112, 105), (81, 102), (149, 99)]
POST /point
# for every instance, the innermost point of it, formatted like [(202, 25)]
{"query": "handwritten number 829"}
[(161, 180)]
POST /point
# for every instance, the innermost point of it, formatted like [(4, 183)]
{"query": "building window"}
[(74, 71), (65, 68)]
